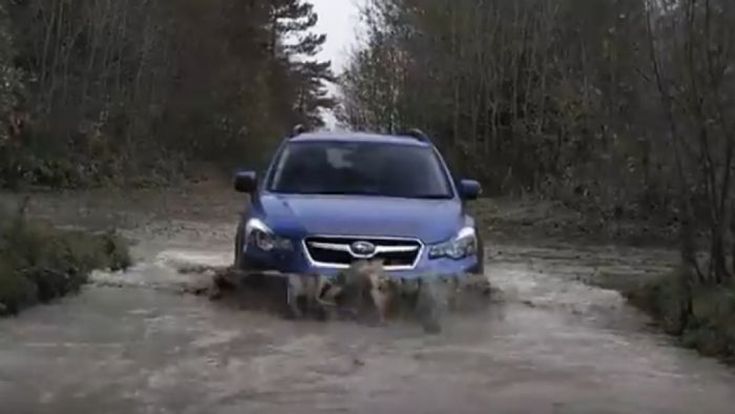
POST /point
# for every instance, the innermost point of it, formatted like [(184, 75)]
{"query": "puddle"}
[(551, 344)]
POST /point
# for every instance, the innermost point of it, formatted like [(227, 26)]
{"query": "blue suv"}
[(328, 199)]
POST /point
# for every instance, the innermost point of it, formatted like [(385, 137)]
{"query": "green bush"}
[(708, 325), (39, 263)]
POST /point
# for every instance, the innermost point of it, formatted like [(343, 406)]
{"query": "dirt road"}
[(550, 343)]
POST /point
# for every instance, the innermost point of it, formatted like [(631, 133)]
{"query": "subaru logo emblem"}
[(362, 248)]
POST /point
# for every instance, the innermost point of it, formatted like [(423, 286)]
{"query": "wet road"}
[(549, 344)]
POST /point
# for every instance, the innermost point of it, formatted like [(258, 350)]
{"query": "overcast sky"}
[(338, 19)]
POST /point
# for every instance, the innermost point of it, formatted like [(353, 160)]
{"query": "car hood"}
[(432, 221)]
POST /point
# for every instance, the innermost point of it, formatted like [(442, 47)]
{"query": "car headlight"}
[(463, 245), (260, 235)]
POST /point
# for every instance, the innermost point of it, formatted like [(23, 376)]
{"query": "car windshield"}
[(360, 168)]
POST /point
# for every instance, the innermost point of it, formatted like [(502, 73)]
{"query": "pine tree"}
[(292, 22)]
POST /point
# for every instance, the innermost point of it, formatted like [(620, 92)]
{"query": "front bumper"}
[(295, 262)]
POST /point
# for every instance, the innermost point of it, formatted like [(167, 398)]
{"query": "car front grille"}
[(338, 252)]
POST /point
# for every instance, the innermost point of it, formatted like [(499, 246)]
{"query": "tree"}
[(620, 108), (520, 93), (12, 117), (139, 88), (292, 22), (692, 57)]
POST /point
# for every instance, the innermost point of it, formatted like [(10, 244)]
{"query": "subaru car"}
[(328, 199)]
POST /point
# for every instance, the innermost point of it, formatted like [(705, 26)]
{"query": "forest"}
[(622, 109), (96, 90)]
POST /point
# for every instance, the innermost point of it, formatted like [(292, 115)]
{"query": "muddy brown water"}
[(129, 343)]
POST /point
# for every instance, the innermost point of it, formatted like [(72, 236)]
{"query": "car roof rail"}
[(297, 130), (417, 134)]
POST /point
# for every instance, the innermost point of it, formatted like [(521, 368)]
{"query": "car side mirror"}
[(246, 182), (470, 189)]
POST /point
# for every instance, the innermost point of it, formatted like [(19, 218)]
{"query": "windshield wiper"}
[(373, 193), (432, 196), (335, 192)]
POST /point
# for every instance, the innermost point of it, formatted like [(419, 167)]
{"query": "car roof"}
[(359, 136)]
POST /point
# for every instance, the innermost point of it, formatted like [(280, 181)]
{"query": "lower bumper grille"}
[(397, 254)]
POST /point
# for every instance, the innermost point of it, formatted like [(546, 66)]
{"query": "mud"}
[(133, 343)]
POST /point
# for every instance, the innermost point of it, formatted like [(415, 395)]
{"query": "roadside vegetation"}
[(39, 263), (702, 316), (138, 92), (621, 111)]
